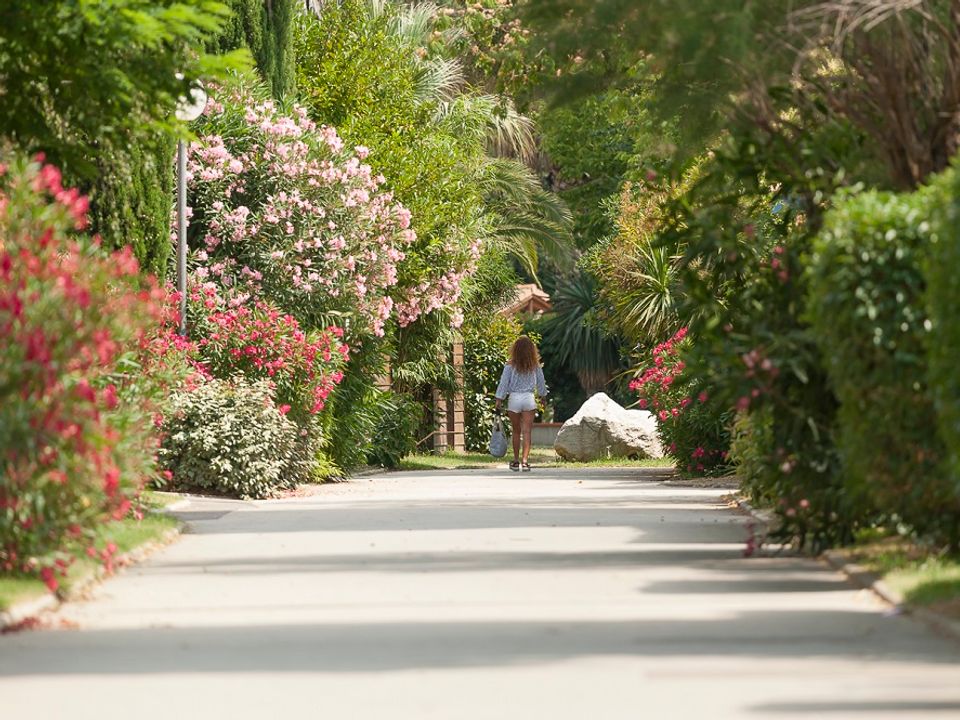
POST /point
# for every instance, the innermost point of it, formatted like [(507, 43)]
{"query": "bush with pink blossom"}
[(261, 343), (77, 402), (283, 211), (693, 427), (265, 375)]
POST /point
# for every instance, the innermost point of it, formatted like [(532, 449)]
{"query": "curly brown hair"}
[(523, 355)]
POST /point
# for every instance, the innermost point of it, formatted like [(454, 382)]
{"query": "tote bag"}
[(498, 441)]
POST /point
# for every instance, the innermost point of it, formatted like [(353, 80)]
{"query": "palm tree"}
[(522, 217), (640, 284), (578, 340)]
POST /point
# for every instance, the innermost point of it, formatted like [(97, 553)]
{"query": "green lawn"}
[(538, 457), (922, 577), (160, 498), (15, 589), (127, 534)]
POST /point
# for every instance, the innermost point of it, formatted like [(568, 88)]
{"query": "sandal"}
[(515, 466), (525, 467)]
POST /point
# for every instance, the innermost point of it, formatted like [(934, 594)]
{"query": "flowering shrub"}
[(259, 342), (242, 353), (228, 437), (76, 431), (693, 428), (284, 211), (493, 41), (759, 355)]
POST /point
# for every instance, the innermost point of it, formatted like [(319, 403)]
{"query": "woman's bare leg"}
[(516, 423), (527, 421)]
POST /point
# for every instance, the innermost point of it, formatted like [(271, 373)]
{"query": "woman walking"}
[(521, 376)]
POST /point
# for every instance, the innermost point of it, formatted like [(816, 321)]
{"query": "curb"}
[(174, 507), (868, 580), (766, 520), (366, 472), (21, 613), (864, 578)]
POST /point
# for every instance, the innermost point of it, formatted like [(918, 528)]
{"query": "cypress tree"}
[(265, 27), (131, 200)]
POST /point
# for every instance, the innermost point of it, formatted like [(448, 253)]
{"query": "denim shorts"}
[(521, 402)]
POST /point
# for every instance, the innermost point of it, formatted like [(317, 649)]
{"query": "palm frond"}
[(649, 306), (511, 134), (514, 182), (414, 23), (438, 80), (530, 221), (507, 133), (580, 343), (459, 116), (506, 178)]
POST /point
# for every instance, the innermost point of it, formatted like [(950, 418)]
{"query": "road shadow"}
[(454, 561), (684, 523), (393, 646)]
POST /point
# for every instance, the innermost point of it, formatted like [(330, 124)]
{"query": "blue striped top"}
[(521, 382)]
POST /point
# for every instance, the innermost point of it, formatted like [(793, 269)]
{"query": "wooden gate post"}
[(457, 422)]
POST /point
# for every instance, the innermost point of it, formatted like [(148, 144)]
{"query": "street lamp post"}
[(188, 110)]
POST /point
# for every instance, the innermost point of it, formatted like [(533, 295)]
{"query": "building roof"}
[(529, 299)]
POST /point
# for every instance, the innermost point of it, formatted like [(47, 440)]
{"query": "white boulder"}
[(602, 428)]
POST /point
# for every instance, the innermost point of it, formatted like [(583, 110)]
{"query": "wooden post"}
[(385, 381), (458, 436), (439, 421)]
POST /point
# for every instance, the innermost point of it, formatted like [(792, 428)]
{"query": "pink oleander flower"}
[(322, 235)]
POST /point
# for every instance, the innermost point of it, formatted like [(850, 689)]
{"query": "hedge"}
[(867, 309), (943, 300)]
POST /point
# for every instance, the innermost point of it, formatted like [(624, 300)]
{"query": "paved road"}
[(587, 595)]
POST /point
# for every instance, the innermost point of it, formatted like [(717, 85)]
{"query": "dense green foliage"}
[(105, 72), (401, 417), (208, 445), (357, 74), (743, 292), (888, 68), (265, 28), (591, 144), (867, 304), (778, 106), (494, 45), (93, 85), (943, 299), (366, 68), (130, 200)]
